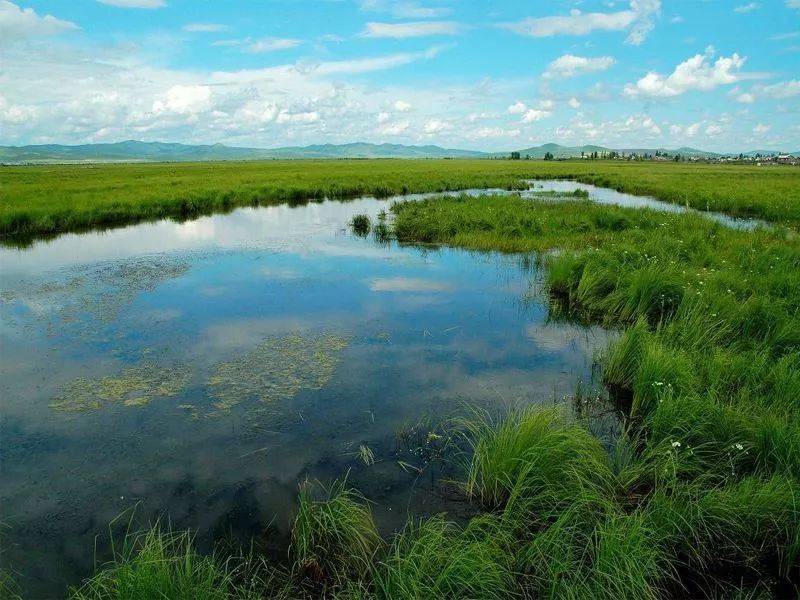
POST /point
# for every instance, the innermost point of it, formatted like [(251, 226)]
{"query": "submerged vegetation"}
[(134, 386), (52, 199), (277, 369)]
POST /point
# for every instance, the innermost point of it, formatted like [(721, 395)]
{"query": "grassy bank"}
[(54, 199)]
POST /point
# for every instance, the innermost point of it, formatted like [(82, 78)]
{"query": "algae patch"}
[(133, 386), (277, 369)]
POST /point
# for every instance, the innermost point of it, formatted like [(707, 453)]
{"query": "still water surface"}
[(203, 369)]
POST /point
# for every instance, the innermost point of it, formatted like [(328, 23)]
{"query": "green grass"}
[(334, 539), (158, 564), (52, 199)]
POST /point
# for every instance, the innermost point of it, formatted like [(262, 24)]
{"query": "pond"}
[(201, 370)]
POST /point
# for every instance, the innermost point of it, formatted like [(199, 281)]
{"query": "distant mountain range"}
[(133, 151)]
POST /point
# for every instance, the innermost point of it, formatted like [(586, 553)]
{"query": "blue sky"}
[(718, 75)]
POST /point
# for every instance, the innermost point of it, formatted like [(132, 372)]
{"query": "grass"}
[(334, 539), (158, 564), (52, 199)]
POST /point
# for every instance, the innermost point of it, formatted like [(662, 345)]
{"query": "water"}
[(603, 195), (201, 370)]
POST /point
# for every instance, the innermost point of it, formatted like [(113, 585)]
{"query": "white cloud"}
[(436, 126), (410, 29), (396, 128), (639, 19), (204, 27), (693, 129), (135, 3), (574, 103), (17, 24), (778, 91), (570, 65), (183, 99), (696, 73), (368, 65), (497, 133), (284, 116), (746, 8), (714, 130), (383, 117), (534, 114), (405, 10), (402, 106), (271, 45), (742, 97), (761, 129), (517, 108)]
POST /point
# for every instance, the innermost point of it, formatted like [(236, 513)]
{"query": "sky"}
[(717, 75)]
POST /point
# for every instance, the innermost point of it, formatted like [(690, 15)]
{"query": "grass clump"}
[(532, 454), (361, 225), (158, 563), (334, 539), (434, 559)]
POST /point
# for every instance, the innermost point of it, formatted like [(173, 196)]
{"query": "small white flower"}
[(738, 446), (676, 444)]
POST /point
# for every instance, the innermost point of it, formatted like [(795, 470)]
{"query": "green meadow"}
[(699, 496), (53, 199)]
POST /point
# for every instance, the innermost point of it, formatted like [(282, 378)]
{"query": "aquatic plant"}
[(334, 538), (277, 369), (133, 386), (361, 225)]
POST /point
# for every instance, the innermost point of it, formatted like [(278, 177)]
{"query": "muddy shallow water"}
[(201, 370)]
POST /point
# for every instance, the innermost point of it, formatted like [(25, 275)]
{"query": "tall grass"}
[(158, 563), (434, 559), (334, 538)]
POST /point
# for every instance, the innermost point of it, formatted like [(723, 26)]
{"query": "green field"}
[(51, 199), (699, 496)]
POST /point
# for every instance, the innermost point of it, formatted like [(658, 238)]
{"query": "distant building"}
[(786, 159)]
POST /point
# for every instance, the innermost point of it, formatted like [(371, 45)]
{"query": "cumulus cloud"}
[(517, 108), (535, 114), (183, 99), (17, 24), (410, 30), (574, 103), (696, 73), (746, 8), (639, 19), (135, 3), (402, 106), (570, 65), (761, 129)]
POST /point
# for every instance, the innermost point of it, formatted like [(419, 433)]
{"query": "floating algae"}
[(92, 295), (133, 386), (277, 369)]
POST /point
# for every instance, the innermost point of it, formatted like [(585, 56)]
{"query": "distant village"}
[(665, 156)]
